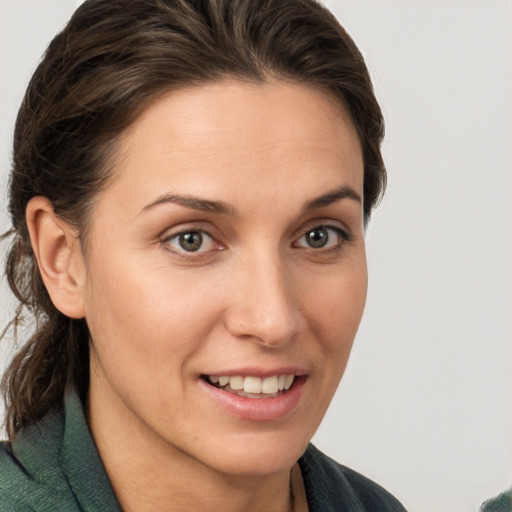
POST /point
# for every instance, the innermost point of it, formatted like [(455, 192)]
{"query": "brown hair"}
[(108, 63)]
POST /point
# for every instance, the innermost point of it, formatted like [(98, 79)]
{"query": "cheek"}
[(145, 319), (335, 305)]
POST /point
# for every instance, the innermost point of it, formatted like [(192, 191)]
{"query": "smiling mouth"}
[(250, 386)]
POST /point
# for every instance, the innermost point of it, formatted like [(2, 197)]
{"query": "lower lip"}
[(259, 409)]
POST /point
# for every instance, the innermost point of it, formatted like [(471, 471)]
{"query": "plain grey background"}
[(425, 407)]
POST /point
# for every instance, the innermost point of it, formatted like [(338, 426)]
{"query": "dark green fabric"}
[(502, 503), (54, 467), (331, 487)]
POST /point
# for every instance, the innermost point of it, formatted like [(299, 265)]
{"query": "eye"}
[(191, 241), (323, 237)]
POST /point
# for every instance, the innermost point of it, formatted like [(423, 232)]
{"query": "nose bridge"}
[(265, 304)]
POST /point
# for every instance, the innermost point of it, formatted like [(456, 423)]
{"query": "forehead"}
[(246, 111), (230, 131)]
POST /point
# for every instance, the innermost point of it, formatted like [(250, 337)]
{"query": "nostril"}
[(269, 329)]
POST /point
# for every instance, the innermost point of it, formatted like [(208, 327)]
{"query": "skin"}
[(254, 293)]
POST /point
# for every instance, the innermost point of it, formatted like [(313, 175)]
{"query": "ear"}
[(59, 257)]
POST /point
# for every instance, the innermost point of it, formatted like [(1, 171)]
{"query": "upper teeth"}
[(252, 384)]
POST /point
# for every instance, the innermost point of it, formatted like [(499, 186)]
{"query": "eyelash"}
[(343, 235), (194, 253)]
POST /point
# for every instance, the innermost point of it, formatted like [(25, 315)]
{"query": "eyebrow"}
[(343, 192), (195, 203), (221, 207)]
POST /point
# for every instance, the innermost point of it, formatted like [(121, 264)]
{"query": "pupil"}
[(191, 241), (317, 237)]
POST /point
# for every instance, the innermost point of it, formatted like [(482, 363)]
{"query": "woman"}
[(190, 188)]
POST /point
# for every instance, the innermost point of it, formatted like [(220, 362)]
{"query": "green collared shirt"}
[(54, 466)]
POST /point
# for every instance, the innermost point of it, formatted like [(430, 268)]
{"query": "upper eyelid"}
[(325, 223), (167, 236), (185, 227)]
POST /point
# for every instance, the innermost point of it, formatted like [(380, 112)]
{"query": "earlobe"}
[(59, 257)]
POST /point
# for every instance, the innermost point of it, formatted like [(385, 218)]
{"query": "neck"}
[(151, 475)]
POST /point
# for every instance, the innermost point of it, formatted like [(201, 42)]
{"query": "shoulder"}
[(15, 484), (502, 503), (31, 479), (9, 476), (54, 466), (332, 487)]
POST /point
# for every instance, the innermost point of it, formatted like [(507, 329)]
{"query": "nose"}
[(264, 305)]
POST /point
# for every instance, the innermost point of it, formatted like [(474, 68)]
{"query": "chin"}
[(258, 455)]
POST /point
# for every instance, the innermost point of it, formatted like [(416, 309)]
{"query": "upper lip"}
[(259, 372)]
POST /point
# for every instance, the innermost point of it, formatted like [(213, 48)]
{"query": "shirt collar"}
[(81, 462)]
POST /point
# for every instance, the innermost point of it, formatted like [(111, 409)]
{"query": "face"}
[(226, 273)]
